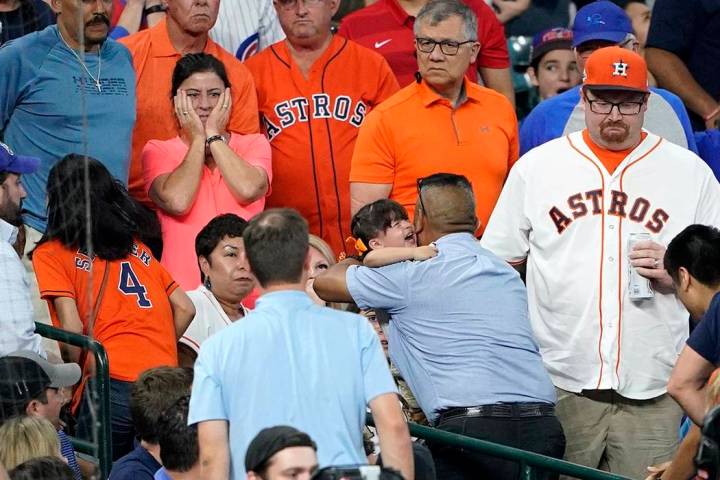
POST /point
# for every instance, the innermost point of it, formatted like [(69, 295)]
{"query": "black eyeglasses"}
[(448, 47), (604, 107)]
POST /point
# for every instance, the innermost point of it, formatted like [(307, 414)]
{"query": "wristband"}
[(155, 9), (214, 138), (712, 114)]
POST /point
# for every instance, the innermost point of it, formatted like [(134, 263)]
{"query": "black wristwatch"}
[(155, 9), (214, 138)]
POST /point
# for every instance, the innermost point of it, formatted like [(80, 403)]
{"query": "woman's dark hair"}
[(697, 248), (196, 63), (376, 217), (42, 468), (115, 219)]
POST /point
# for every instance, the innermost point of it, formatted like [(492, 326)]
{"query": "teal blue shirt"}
[(50, 107), (292, 362)]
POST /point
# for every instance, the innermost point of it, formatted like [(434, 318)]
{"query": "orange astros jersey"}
[(135, 320), (312, 124)]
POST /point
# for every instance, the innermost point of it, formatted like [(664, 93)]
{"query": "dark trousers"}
[(123, 431), (542, 435)]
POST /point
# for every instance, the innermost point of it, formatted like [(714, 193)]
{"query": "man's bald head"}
[(446, 204)]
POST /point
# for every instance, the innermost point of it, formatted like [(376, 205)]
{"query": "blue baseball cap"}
[(601, 20), (9, 162)]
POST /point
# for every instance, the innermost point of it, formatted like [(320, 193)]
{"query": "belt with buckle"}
[(501, 410)]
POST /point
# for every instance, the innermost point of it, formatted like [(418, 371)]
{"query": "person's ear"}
[(334, 6), (474, 51), (253, 476), (375, 243), (204, 265), (56, 6), (32, 409), (477, 223), (685, 280)]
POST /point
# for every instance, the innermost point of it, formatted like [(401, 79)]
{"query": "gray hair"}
[(436, 11)]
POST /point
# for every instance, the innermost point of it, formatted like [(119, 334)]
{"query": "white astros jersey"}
[(244, 27), (562, 212)]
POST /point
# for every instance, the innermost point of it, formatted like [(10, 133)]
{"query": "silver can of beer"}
[(639, 287)]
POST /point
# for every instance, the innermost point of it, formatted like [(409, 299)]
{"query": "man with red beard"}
[(568, 212)]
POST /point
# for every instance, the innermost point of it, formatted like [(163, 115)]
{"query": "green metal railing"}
[(99, 391), (531, 464)]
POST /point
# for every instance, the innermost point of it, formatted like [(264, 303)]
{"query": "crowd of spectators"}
[(283, 217)]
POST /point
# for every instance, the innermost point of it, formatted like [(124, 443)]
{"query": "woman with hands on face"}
[(205, 171)]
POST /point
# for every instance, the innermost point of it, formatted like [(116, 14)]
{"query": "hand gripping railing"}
[(99, 390), (531, 464)]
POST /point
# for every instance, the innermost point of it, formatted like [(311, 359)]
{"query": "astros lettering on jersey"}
[(312, 124), (563, 213)]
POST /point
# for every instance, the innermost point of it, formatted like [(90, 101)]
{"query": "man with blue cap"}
[(603, 24), (16, 321)]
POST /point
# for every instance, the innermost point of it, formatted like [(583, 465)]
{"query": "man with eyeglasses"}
[(386, 26), (314, 90), (567, 215), (442, 122), (596, 25)]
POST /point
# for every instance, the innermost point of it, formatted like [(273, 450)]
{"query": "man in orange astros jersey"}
[(313, 93)]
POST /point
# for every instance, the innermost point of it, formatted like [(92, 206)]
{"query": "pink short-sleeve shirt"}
[(213, 198)]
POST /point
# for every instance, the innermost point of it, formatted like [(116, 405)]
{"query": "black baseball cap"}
[(21, 380), (270, 441)]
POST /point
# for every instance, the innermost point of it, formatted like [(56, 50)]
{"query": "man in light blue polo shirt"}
[(601, 24), (460, 335), (292, 362)]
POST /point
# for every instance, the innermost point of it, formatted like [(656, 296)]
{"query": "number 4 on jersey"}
[(130, 285)]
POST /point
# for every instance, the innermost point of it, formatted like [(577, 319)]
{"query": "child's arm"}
[(390, 255)]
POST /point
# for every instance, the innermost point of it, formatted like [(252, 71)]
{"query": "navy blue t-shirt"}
[(705, 339), (691, 30), (136, 465)]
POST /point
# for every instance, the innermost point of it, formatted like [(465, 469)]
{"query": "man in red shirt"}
[(386, 26)]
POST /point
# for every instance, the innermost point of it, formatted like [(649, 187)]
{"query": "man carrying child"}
[(459, 333)]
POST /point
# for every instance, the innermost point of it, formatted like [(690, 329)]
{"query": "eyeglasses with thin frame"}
[(603, 107), (292, 4), (448, 47)]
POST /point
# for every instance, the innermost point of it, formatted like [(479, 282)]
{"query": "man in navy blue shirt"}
[(693, 261), (154, 392)]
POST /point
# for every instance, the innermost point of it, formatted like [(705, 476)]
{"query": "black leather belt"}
[(502, 410)]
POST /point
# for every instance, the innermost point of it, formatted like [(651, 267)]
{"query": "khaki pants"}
[(40, 308), (608, 431)]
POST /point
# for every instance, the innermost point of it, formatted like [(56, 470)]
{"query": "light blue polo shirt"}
[(49, 107), (459, 330), (292, 362)]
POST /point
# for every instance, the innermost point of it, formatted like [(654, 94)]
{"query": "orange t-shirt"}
[(417, 133), (135, 320), (154, 60), (609, 158), (312, 125)]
